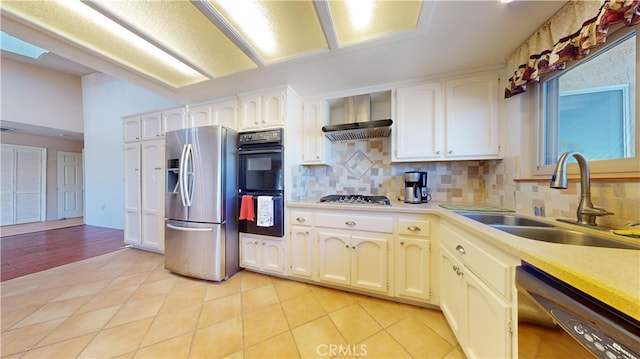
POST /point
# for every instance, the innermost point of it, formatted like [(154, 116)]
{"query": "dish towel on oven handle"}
[(246, 208), (265, 211)]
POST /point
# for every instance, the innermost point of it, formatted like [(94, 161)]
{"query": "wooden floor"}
[(28, 253)]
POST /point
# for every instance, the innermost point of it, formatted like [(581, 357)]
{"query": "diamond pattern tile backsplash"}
[(364, 167)]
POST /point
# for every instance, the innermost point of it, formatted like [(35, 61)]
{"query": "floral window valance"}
[(569, 35)]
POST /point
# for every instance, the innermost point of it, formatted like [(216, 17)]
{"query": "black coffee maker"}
[(415, 187)]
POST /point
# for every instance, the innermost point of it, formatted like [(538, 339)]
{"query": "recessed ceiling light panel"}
[(276, 30), (361, 20), (80, 24), (184, 30)]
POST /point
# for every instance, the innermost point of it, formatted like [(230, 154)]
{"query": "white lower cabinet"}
[(413, 258), (262, 253), (358, 260), (477, 295)]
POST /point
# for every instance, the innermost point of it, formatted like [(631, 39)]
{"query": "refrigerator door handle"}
[(182, 171), (189, 178), (189, 229)]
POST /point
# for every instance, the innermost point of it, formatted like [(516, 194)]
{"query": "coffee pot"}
[(415, 187)]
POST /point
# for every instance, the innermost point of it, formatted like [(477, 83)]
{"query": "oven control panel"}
[(597, 342), (270, 137)]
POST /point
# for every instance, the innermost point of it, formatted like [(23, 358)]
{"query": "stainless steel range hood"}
[(357, 123)]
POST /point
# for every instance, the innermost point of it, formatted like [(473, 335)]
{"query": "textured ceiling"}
[(317, 53)]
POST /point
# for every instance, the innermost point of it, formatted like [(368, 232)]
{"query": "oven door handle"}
[(254, 152)]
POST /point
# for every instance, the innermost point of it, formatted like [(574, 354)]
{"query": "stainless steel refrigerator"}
[(201, 234)]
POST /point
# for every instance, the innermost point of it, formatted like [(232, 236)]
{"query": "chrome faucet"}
[(586, 212)]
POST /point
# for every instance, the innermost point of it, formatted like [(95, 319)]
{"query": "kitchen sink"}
[(504, 219), (564, 236)]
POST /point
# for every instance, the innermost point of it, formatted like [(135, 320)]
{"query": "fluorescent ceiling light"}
[(360, 12), (252, 19), (20, 47), (357, 21), (275, 30), (82, 25)]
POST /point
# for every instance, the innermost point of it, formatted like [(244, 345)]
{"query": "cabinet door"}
[(315, 147), (412, 268), (132, 193), (272, 253), (301, 251), (418, 131), (132, 129), (225, 113), (151, 126), (174, 119), (250, 113), (452, 292), (250, 252), (486, 327), (273, 105), (200, 115), (472, 116), (334, 257), (369, 258), (152, 196)]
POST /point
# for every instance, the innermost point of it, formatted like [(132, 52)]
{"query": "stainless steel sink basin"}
[(504, 219), (564, 236)]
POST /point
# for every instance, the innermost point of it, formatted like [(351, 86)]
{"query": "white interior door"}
[(23, 184), (70, 185)]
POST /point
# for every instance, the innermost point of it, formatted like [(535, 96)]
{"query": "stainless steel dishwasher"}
[(602, 330)]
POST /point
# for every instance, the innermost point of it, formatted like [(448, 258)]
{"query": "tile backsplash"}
[(364, 167)]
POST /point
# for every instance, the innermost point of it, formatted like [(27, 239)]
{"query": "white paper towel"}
[(265, 211)]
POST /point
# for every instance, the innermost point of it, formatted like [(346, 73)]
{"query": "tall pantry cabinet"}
[(144, 177)]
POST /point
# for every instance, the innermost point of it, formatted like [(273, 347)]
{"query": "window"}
[(590, 107)]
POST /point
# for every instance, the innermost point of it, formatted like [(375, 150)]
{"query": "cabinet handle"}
[(350, 223), (450, 152), (347, 246), (414, 229), (437, 152), (300, 219), (263, 243), (354, 247), (455, 268), (402, 243), (460, 249), (158, 168), (256, 242)]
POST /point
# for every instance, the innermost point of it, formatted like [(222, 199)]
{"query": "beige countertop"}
[(608, 274)]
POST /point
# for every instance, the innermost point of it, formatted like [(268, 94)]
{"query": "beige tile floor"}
[(125, 305)]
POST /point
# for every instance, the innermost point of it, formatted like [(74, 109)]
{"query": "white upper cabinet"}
[(460, 122), (472, 117), (131, 128), (315, 147), (418, 134), (173, 119), (263, 110), (223, 113), (151, 126)]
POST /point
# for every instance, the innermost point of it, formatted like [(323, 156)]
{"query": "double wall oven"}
[(260, 174)]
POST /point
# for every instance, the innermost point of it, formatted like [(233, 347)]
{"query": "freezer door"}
[(175, 149), (205, 162), (195, 249)]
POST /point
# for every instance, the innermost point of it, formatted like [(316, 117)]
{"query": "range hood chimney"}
[(357, 123)]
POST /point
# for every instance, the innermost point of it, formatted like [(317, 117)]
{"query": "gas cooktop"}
[(355, 199)]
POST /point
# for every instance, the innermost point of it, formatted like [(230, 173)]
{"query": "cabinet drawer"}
[(414, 227), (302, 218), (492, 265), (360, 223)]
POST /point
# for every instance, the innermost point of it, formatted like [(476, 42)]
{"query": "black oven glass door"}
[(261, 170)]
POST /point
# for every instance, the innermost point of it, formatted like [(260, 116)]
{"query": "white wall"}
[(106, 100), (41, 97)]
